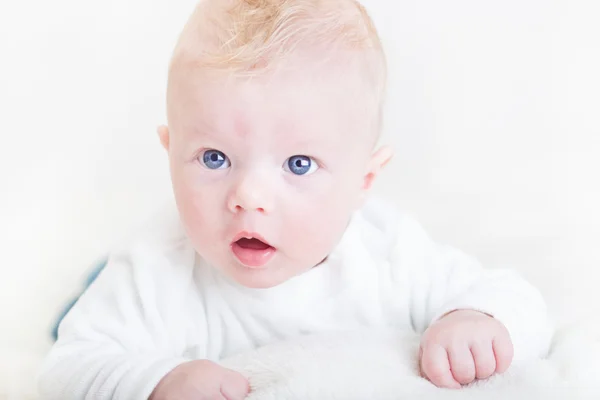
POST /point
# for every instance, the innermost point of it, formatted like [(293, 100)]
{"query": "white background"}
[(493, 110)]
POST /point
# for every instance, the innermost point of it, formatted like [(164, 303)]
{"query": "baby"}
[(274, 112)]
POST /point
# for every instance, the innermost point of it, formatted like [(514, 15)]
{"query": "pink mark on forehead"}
[(248, 113), (240, 125)]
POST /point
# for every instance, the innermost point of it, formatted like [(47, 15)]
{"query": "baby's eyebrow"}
[(201, 127), (315, 147)]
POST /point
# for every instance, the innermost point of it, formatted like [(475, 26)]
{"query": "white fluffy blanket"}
[(375, 365), (383, 366)]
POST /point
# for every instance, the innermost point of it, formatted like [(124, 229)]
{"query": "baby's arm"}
[(126, 334), (474, 321)]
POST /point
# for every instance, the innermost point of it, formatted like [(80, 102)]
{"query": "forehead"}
[(290, 105)]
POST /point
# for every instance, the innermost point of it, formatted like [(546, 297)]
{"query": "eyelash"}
[(205, 159), (312, 163), (198, 158)]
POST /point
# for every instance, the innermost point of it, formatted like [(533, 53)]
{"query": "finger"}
[(503, 352), (421, 373), (235, 386), (162, 129), (485, 361), (462, 364), (436, 367)]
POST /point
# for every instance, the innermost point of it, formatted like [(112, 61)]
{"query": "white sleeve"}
[(115, 343), (443, 279)]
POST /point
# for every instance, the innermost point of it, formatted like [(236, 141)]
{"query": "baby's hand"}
[(201, 380), (463, 346)]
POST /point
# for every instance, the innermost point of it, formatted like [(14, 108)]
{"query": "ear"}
[(378, 161), (163, 135)]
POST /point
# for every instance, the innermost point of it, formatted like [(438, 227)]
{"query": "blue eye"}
[(214, 159), (300, 165)]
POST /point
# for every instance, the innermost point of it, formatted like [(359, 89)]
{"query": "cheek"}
[(313, 234), (199, 205), (336, 195), (318, 215)]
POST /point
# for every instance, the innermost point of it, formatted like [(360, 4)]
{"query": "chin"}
[(258, 279), (259, 285)]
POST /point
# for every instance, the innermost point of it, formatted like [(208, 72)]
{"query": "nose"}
[(252, 192)]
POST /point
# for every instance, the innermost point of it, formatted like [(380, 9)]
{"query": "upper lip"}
[(249, 235)]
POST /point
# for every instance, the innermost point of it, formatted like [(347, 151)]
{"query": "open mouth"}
[(252, 251), (252, 244)]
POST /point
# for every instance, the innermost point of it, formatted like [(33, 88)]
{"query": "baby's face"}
[(267, 172)]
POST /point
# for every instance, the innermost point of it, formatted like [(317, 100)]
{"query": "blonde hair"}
[(251, 37)]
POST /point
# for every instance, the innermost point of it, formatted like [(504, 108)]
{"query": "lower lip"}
[(253, 258)]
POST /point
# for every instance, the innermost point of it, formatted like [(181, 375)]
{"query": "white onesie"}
[(158, 304)]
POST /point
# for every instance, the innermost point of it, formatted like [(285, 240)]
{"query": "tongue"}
[(252, 244)]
